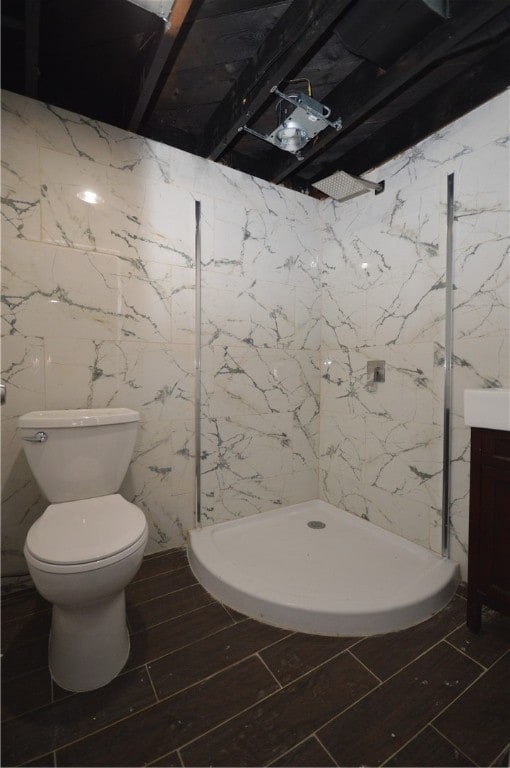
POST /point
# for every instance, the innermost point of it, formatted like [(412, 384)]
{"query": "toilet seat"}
[(86, 534)]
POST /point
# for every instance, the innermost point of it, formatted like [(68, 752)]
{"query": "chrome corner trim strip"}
[(448, 371), (198, 358)]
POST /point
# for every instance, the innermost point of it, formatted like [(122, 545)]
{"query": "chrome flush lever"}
[(39, 437)]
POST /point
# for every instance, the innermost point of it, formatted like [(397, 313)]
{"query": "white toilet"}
[(89, 543)]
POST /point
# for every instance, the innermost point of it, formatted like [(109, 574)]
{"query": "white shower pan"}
[(314, 568)]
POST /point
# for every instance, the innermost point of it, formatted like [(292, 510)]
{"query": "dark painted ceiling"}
[(393, 71)]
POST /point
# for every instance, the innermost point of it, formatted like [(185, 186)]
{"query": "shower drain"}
[(316, 524)]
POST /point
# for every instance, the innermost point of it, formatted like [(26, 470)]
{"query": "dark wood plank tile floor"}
[(206, 686)]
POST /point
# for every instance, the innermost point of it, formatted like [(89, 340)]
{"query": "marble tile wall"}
[(260, 356), (99, 310), (383, 298), (297, 296)]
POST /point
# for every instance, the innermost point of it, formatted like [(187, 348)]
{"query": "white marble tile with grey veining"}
[(405, 459), (256, 244), (22, 503), (245, 380), (51, 291), (239, 448), (243, 498), (246, 311), (342, 456), (407, 394), (307, 319), (21, 191), (87, 205), (155, 379), (45, 125), (164, 456)]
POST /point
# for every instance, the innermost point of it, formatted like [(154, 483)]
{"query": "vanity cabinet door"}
[(489, 524)]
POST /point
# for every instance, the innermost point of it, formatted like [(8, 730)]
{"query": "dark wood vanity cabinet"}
[(489, 524)]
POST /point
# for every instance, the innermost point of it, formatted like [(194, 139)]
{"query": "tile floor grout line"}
[(72, 694), (165, 574), (467, 656), (165, 594), (179, 648), (103, 728), (157, 759), (451, 703), (352, 651), (177, 616), (505, 753), (461, 625), (315, 668), (52, 752), (349, 706), (379, 679), (208, 677), (416, 658), (487, 668), (97, 730), (326, 750), (195, 610), (6, 680), (311, 669), (295, 746), (186, 744), (454, 745), (228, 609), (222, 669), (24, 616), (167, 553), (368, 693), (161, 553), (283, 686), (160, 699), (50, 703), (403, 746), (482, 673), (257, 703), (257, 654), (152, 682), (133, 604), (441, 733), (205, 637)]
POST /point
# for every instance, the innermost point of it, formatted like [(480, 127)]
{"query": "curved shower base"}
[(313, 568)]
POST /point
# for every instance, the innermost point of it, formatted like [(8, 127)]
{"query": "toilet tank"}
[(86, 452)]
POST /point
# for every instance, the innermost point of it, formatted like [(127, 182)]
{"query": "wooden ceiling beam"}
[(362, 93), (298, 30), (172, 37), (431, 103), (479, 82)]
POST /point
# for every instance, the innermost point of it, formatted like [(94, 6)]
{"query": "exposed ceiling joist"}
[(362, 93), (172, 37), (444, 104), (295, 34), (393, 71)]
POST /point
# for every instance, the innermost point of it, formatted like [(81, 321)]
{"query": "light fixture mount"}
[(308, 118)]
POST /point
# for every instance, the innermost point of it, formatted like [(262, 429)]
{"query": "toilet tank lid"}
[(77, 417)]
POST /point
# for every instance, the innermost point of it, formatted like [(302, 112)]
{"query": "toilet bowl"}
[(83, 552)]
